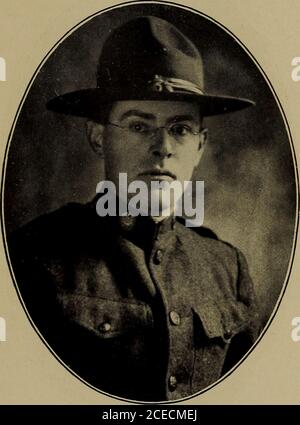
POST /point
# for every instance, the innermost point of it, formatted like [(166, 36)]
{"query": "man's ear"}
[(203, 138), (95, 133)]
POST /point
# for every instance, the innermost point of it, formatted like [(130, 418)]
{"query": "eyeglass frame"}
[(153, 130)]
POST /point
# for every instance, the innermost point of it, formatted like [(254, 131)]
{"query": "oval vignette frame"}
[(279, 106)]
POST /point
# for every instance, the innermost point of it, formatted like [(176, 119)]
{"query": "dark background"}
[(250, 188)]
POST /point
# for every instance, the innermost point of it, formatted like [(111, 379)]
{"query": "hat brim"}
[(89, 102)]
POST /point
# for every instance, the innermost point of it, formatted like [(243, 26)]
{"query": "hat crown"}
[(145, 48), (147, 58)]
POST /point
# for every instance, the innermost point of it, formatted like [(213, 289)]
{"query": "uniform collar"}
[(144, 231)]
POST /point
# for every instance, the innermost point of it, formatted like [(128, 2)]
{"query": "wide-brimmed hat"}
[(147, 58)]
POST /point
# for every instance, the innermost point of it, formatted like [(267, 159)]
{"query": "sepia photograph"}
[(150, 202)]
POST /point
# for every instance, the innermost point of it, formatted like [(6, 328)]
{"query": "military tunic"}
[(140, 310)]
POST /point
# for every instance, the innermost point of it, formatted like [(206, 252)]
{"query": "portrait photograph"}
[(141, 104)]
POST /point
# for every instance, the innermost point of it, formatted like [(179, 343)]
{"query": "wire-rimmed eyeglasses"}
[(177, 131)]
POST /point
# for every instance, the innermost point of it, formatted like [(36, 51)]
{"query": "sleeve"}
[(31, 277), (246, 295)]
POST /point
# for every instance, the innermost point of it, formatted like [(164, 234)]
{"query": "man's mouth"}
[(159, 174)]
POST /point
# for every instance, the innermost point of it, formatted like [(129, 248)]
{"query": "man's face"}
[(169, 151)]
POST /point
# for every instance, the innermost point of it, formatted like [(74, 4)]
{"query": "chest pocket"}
[(219, 322), (215, 329), (104, 317)]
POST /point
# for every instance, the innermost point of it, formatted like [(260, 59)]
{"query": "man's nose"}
[(162, 143)]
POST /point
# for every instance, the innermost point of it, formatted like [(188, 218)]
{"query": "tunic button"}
[(158, 256), (174, 318), (228, 334), (105, 327), (172, 383)]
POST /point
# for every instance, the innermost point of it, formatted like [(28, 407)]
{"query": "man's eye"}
[(180, 130), (138, 127)]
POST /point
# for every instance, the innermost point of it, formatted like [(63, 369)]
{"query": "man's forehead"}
[(155, 109)]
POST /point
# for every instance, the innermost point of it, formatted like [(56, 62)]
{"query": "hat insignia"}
[(160, 84)]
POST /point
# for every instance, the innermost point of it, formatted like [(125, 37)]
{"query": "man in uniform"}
[(143, 308)]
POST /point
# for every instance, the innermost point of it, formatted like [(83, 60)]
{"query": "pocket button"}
[(228, 334), (105, 327)]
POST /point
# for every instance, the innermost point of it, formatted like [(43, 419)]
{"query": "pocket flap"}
[(105, 317), (221, 321)]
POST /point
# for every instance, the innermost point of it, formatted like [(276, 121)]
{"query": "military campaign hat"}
[(147, 58)]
